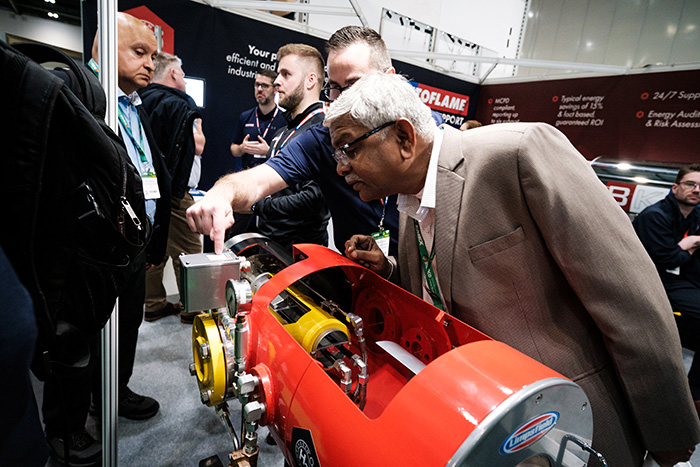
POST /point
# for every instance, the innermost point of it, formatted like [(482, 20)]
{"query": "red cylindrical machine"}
[(431, 390)]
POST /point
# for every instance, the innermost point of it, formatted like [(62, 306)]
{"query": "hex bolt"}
[(204, 395), (204, 350), (193, 369), (253, 411), (246, 383)]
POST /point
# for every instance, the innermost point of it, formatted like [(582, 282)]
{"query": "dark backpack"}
[(76, 215)]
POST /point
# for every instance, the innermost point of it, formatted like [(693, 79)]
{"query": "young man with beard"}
[(298, 213)]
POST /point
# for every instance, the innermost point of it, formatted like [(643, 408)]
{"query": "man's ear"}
[(406, 133), (311, 80)]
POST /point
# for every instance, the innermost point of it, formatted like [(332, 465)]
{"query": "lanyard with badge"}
[(426, 259), (148, 174), (264, 133), (276, 149), (382, 237), (257, 122)]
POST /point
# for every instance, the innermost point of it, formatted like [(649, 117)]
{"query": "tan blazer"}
[(533, 251)]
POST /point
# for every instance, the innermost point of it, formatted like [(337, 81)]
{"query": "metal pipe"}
[(107, 46), (223, 413), (241, 344), (360, 395), (345, 376), (358, 327)]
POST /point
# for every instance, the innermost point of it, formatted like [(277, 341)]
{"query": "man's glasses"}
[(689, 184), (342, 156), (334, 92), (262, 86)]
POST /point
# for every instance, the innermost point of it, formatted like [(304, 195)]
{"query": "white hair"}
[(383, 97)]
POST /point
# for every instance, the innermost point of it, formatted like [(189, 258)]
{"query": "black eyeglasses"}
[(262, 85), (341, 154), (689, 184), (334, 92)]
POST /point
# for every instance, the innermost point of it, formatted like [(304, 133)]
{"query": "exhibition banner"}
[(651, 116)]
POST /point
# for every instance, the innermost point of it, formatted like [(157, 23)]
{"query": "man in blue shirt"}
[(256, 127), (353, 52)]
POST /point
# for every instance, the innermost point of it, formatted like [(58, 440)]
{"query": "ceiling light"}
[(53, 15)]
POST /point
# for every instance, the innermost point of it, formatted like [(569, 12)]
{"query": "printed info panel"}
[(653, 116)]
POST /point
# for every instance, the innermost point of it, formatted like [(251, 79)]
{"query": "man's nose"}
[(342, 169)]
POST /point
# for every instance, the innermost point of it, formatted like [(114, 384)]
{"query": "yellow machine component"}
[(313, 323), (209, 360)]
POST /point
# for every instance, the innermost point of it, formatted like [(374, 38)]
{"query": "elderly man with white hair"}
[(507, 228)]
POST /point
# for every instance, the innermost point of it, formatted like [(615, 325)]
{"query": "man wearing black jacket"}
[(65, 408), (298, 213), (670, 232), (177, 127)]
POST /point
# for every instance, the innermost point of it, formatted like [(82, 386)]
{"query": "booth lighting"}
[(641, 180), (623, 166), (53, 15), (50, 1)]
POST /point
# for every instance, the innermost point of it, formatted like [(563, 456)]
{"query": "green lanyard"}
[(137, 144), (426, 260)]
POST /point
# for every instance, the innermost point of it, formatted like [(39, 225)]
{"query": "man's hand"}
[(690, 243), (364, 250), (211, 216), (671, 458), (259, 147)]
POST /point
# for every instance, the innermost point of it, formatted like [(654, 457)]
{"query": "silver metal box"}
[(203, 278)]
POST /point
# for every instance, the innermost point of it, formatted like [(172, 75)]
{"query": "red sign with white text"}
[(651, 116), (441, 100)]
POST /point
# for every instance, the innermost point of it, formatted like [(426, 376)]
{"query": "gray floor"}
[(184, 431)]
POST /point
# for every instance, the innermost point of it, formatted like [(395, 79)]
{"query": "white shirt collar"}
[(418, 205)]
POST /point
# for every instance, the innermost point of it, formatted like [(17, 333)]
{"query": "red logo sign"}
[(622, 192), (441, 100)]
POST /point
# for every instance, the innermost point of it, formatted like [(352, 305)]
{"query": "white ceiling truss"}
[(439, 61)]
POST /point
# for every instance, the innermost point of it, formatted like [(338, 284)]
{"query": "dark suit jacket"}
[(533, 251)]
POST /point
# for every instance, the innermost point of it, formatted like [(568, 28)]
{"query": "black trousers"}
[(685, 299)]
